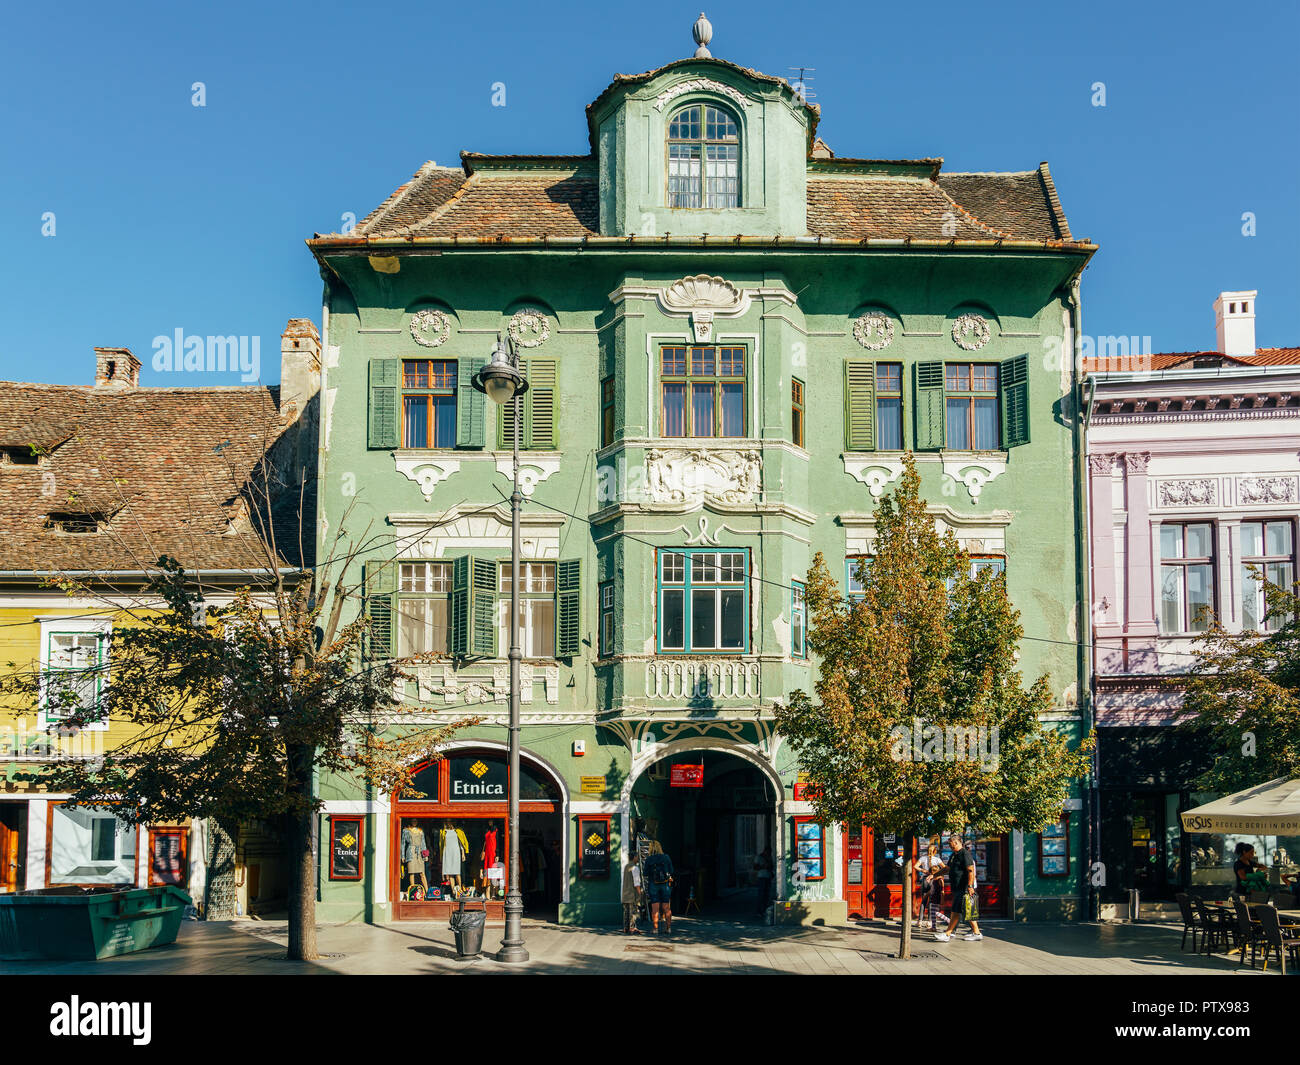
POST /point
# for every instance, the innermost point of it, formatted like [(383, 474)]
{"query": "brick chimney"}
[(1234, 323), (116, 368), (299, 366)]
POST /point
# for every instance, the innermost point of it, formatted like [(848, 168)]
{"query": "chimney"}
[(1234, 323), (116, 368), (299, 366)]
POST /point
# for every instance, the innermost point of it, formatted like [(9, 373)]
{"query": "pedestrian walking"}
[(763, 870), (658, 872), (631, 892), (931, 867), (961, 870)]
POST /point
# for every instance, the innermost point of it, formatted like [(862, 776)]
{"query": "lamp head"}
[(500, 380)]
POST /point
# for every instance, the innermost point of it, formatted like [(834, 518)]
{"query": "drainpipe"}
[(1084, 390)]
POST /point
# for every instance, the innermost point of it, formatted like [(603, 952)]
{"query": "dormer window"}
[(703, 158), (75, 523)]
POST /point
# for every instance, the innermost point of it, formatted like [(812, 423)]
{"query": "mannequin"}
[(415, 857), (453, 848), (488, 858)]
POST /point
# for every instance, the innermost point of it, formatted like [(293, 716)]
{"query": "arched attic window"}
[(703, 158)]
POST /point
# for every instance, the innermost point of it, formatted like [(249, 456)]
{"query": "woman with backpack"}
[(658, 876)]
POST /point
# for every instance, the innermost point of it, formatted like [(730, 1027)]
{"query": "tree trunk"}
[(300, 852), (905, 940)]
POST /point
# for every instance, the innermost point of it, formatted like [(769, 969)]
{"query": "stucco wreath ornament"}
[(430, 329), (873, 331), (529, 328), (970, 332)]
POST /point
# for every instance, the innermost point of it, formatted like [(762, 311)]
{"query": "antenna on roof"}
[(800, 85)]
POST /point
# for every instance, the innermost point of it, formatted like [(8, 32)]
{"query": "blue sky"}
[(173, 216)]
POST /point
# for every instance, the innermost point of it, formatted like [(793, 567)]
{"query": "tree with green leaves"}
[(920, 721), (233, 702), (1242, 698)]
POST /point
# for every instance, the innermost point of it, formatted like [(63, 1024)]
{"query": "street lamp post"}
[(501, 381)]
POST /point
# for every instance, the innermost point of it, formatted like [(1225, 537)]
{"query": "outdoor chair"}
[(1246, 933), (1189, 919), (1258, 896), (1274, 939), (1212, 931), (1283, 900)]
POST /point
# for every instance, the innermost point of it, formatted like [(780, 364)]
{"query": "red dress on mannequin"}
[(489, 849)]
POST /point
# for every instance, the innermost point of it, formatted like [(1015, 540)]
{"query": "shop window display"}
[(90, 846), (452, 858)]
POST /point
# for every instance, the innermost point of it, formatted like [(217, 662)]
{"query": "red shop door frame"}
[(886, 900)]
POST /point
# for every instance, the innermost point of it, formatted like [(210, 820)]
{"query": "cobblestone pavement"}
[(696, 946)]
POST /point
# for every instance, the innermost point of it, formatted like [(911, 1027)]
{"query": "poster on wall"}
[(810, 858), (593, 846), (684, 775), (345, 848), (167, 856)]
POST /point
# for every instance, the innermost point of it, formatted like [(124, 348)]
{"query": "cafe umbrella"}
[(1271, 809)]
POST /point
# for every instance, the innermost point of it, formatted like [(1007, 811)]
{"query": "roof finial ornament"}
[(702, 31)]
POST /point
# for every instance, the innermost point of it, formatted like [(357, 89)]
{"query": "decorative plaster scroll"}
[(529, 328), (1101, 465), (430, 329), (427, 473), (1136, 461), (875, 473), (1195, 492), (1251, 490), (442, 680), (974, 474), (701, 85), (703, 296), (874, 331), (970, 332), (692, 475), (531, 473)]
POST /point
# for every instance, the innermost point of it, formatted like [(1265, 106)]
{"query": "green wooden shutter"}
[(930, 421), (568, 608), (860, 405), (1013, 379), (473, 607), (539, 423), (471, 410), (385, 422), (483, 607), (537, 415), (380, 583)]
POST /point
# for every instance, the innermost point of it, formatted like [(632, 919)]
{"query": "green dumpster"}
[(84, 925)]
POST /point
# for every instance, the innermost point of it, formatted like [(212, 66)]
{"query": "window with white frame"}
[(422, 597), (1186, 576), (74, 668), (798, 621), (703, 601), (1267, 557), (855, 568), (536, 609), (606, 618), (90, 846)]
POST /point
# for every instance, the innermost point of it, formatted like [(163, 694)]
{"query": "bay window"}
[(703, 391), (703, 601)]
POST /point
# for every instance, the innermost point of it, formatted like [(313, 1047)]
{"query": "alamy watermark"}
[(213, 354), (922, 742)]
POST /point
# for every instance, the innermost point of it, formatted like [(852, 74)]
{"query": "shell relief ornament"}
[(529, 328), (873, 331), (430, 329), (970, 332)]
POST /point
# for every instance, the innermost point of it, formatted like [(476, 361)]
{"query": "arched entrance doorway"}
[(453, 840), (715, 813)]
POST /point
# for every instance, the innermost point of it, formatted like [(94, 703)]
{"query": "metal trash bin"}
[(468, 926)]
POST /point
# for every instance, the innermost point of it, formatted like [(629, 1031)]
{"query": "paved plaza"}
[(696, 946)]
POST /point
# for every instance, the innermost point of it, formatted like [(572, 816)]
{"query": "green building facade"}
[(731, 337)]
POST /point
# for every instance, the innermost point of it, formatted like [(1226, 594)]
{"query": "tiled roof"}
[(166, 464), (556, 197), (1025, 203), (1177, 359)]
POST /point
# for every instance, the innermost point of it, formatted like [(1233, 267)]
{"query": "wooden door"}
[(10, 839), (856, 871)]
